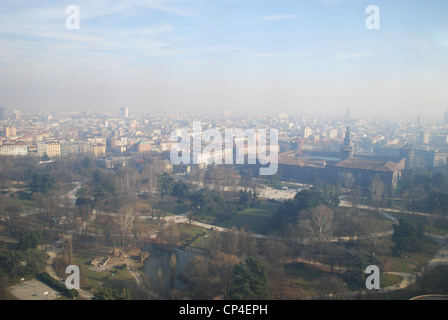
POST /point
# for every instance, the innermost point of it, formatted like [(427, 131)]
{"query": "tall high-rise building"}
[(226, 113), (124, 113), (10, 132), (424, 137), (421, 121), (307, 132)]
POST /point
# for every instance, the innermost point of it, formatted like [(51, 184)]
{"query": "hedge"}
[(58, 286)]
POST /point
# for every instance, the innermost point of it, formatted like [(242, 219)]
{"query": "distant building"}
[(142, 146), (10, 132), (351, 171), (124, 113), (112, 162), (50, 148), (421, 121), (99, 150), (409, 154), (445, 117), (226, 113), (362, 171), (424, 137), (167, 145), (307, 132), (2, 114), (114, 142), (73, 148), (347, 147), (432, 158), (347, 116), (14, 149), (53, 149)]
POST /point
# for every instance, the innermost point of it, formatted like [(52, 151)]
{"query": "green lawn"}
[(255, 219), (388, 280), (114, 277), (192, 235), (301, 277), (408, 262)]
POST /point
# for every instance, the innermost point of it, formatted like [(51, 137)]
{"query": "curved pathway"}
[(441, 258)]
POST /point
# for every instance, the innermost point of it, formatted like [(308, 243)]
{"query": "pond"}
[(158, 267)]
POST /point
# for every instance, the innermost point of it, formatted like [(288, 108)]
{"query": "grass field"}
[(409, 262), (388, 280), (192, 235), (255, 219), (300, 279), (91, 279)]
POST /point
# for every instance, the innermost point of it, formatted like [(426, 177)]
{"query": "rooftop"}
[(363, 164)]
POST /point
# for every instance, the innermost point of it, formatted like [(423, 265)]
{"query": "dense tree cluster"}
[(291, 210), (406, 237)]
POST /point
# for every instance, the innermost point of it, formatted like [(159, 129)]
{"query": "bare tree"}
[(330, 288), (162, 207), (247, 244), (213, 245), (10, 209), (373, 226), (355, 196), (230, 241), (319, 229), (170, 235), (221, 272), (126, 217), (67, 250), (320, 223), (274, 251), (111, 231), (377, 191), (351, 224), (198, 278)]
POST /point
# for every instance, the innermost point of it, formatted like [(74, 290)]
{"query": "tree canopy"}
[(290, 211), (250, 281), (42, 182)]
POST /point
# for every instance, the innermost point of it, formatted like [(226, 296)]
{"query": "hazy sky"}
[(294, 56)]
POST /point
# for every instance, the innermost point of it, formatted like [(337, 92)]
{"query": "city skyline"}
[(295, 57)]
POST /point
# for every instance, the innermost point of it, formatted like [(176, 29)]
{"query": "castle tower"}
[(347, 147), (408, 153)]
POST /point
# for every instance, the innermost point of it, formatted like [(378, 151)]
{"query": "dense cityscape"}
[(122, 133), (102, 190)]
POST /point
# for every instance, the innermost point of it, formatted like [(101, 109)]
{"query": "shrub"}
[(58, 286)]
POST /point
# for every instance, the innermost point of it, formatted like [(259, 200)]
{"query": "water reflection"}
[(164, 267)]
